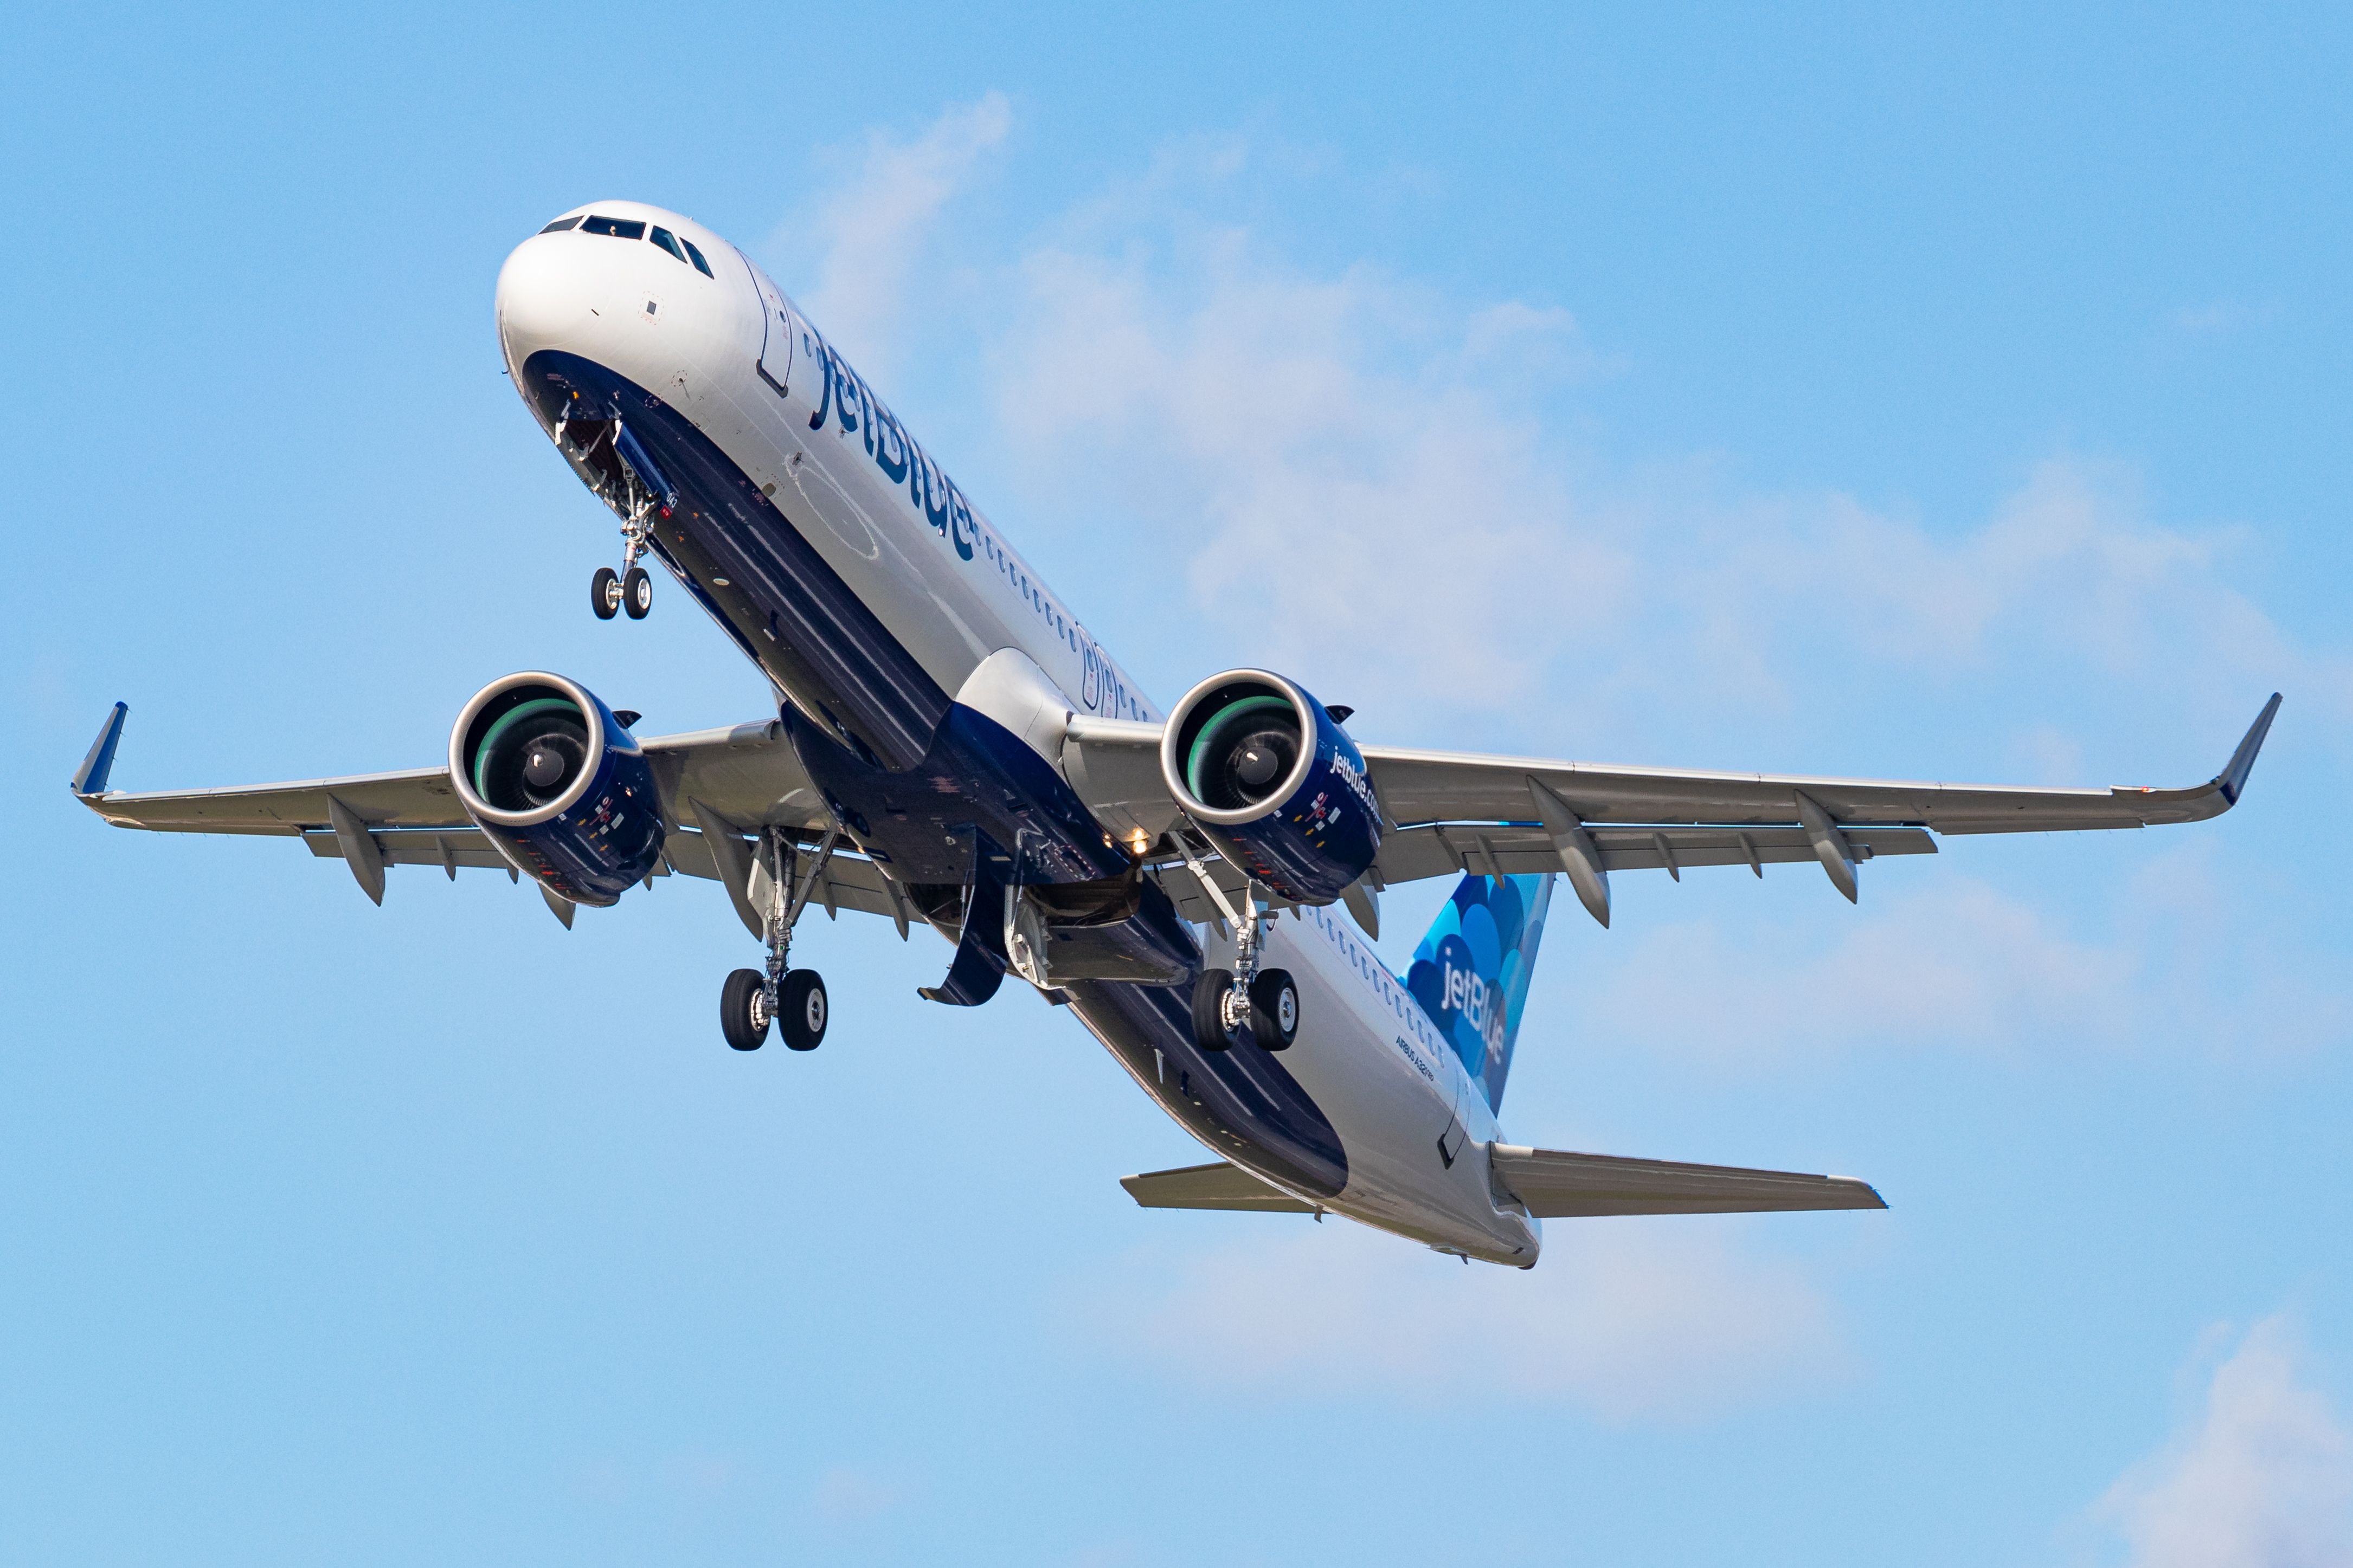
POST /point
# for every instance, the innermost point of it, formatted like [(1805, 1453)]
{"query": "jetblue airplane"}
[(952, 747)]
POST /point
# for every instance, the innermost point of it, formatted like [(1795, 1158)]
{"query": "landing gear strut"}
[(631, 588), (1264, 1001), (793, 999)]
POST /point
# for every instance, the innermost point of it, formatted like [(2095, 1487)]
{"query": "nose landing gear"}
[(631, 588), (793, 999)]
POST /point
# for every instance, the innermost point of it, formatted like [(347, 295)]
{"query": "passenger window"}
[(696, 257), (663, 237), (559, 225), (618, 227)]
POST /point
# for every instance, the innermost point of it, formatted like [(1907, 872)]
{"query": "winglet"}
[(2233, 777), (91, 779)]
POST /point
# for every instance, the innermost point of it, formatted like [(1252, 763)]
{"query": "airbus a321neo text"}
[(951, 747)]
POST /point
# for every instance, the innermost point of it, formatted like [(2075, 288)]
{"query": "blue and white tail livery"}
[(952, 746), (1470, 972)]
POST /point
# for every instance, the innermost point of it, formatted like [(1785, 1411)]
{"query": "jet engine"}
[(545, 770), (1266, 772)]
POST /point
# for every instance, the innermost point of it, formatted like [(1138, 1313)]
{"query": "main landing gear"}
[(1264, 1001), (793, 999)]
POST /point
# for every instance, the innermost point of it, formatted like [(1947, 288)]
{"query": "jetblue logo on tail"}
[(1470, 972), (1462, 992)]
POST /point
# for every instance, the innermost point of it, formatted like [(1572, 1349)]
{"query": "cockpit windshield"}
[(681, 247)]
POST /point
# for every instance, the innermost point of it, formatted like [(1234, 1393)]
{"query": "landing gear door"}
[(776, 324)]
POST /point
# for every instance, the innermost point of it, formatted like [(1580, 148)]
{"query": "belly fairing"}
[(1243, 1103)]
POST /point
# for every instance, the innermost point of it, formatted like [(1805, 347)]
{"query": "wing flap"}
[(1555, 1183), (1445, 849), (417, 847), (1221, 1185)]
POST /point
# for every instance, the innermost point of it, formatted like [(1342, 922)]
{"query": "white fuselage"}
[(730, 352)]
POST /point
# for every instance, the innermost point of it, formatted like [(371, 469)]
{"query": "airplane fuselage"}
[(928, 674)]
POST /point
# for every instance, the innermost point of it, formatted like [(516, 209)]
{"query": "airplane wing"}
[(725, 783), (1445, 786), (1452, 812), (1554, 1183)]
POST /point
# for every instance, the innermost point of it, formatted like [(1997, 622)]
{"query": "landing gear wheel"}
[(1210, 1031), (801, 1010), (744, 1010), (1274, 1010), (605, 593), (637, 593)]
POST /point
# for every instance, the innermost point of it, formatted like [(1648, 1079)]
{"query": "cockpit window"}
[(663, 237), (696, 257), (559, 225), (618, 227)]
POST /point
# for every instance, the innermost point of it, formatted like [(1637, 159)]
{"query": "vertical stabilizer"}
[(1470, 972)]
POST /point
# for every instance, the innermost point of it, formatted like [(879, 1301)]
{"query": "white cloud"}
[(1330, 457), (1947, 960), (1367, 484), (847, 1496), (2261, 1476), (2220, 318), (871, 230), (1936, 958), (1633, 1319), (1327, 458)]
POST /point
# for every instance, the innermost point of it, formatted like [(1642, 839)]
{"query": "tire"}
[(744, 1011), (637, 593), (801, 1010), (1209, 1030), (1274, 1010), (605, 593)]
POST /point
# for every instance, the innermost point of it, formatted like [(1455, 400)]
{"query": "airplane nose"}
[(543, 300)]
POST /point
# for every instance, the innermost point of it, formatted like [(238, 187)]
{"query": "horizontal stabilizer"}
[(1217, 1186), (1556, 1184)]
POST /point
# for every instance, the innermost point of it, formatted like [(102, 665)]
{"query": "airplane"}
[(952, 747)]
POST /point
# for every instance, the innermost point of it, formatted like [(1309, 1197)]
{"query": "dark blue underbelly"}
[(906, 766), (789, 612)]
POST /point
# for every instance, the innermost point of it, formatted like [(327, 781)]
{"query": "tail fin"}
[(1470, 972)]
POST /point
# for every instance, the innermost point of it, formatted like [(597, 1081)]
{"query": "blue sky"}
[(1877, 391)]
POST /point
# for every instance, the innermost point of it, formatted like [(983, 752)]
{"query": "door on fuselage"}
[(776, 324)]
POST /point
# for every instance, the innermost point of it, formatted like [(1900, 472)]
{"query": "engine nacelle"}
[(1264, 771), (545, 770)]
